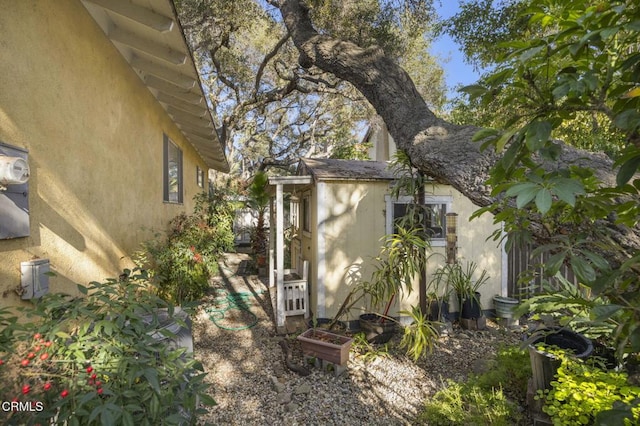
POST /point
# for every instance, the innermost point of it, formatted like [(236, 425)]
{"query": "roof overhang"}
[(149, 36), (289, 183)]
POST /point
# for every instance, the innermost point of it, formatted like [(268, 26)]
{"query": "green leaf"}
[(627, 170), (504, 139), (207, 400), (474, 90), (525, 192), (566, 189), (484, 133), (537, 134), (152, 376), (604, 312), (583, 270), (82, 289), (63, 335), (629, 119), (543, 200), (127, 419)]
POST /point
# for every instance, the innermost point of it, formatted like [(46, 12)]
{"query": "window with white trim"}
[(306, 213), (172, 173), (436, 210)]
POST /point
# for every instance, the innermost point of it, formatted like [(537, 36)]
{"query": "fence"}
[(526, 272)]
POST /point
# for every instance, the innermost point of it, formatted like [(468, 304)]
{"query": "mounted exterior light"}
[(13, 170), (452, 237)]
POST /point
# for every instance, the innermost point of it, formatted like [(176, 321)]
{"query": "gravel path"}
[(252, 387)]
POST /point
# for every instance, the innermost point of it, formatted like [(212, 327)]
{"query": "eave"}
[(148, 35)]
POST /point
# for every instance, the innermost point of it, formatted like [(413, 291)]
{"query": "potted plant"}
[(438, 294), (325, 345), (437, 307), (465, 286)]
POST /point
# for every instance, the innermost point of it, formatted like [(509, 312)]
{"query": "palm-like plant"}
[(461, 280), (259, 200)]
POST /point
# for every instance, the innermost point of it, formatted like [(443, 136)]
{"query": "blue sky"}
[(456, 70)]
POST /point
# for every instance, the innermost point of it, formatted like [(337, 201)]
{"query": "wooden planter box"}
[(325, 345)]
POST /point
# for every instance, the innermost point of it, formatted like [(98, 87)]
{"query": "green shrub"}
[(483, 399), (582, 391), (468, 404), (99, 360), (182, 262), (511, 371)]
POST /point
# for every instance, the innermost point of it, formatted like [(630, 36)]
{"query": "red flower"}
[(89, 369), (193, 249), (1, 362), (37, 336), (47, 343), (37, 348), (47, 386), (64, 393), (44, 356), (197, 258), (31, 355), (100, 391), (98, 383), (93, 376), (26, 389), (15, 399), (24, 362)]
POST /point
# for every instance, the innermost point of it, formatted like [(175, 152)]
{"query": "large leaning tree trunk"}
[(442, 150)]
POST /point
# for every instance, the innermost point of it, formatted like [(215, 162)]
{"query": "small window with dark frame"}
[(306, 214), (435, 218), (200, 177), (172, 179)]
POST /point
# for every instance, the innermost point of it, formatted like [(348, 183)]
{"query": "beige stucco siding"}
[(94, 135), (474, 244), (351, 222)]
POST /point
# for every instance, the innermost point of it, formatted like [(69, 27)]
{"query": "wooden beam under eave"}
[(203, 132), (137, 13), (161, 71), (147, 46), (197, 110), (189, 119), (208, 141), (173, 90)]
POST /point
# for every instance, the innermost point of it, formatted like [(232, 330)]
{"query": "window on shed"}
[(435, 211), (306, 214), (173, 187)]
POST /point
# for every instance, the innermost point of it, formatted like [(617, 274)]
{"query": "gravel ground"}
[(252, 387)]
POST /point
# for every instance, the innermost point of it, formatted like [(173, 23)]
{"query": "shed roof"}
[(333, 169)]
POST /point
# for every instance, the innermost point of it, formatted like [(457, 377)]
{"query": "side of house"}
[(108, 165)]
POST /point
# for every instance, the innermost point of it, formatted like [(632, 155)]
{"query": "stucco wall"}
[(351, 221), (94, 135)]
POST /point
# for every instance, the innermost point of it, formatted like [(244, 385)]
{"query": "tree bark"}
[(442, 150)]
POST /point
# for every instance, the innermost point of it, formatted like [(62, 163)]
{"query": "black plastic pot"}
[(545, 365), (376, 328), (438, 310), (470, 308)]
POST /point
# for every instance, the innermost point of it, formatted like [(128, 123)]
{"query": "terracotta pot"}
[(327, 346)]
